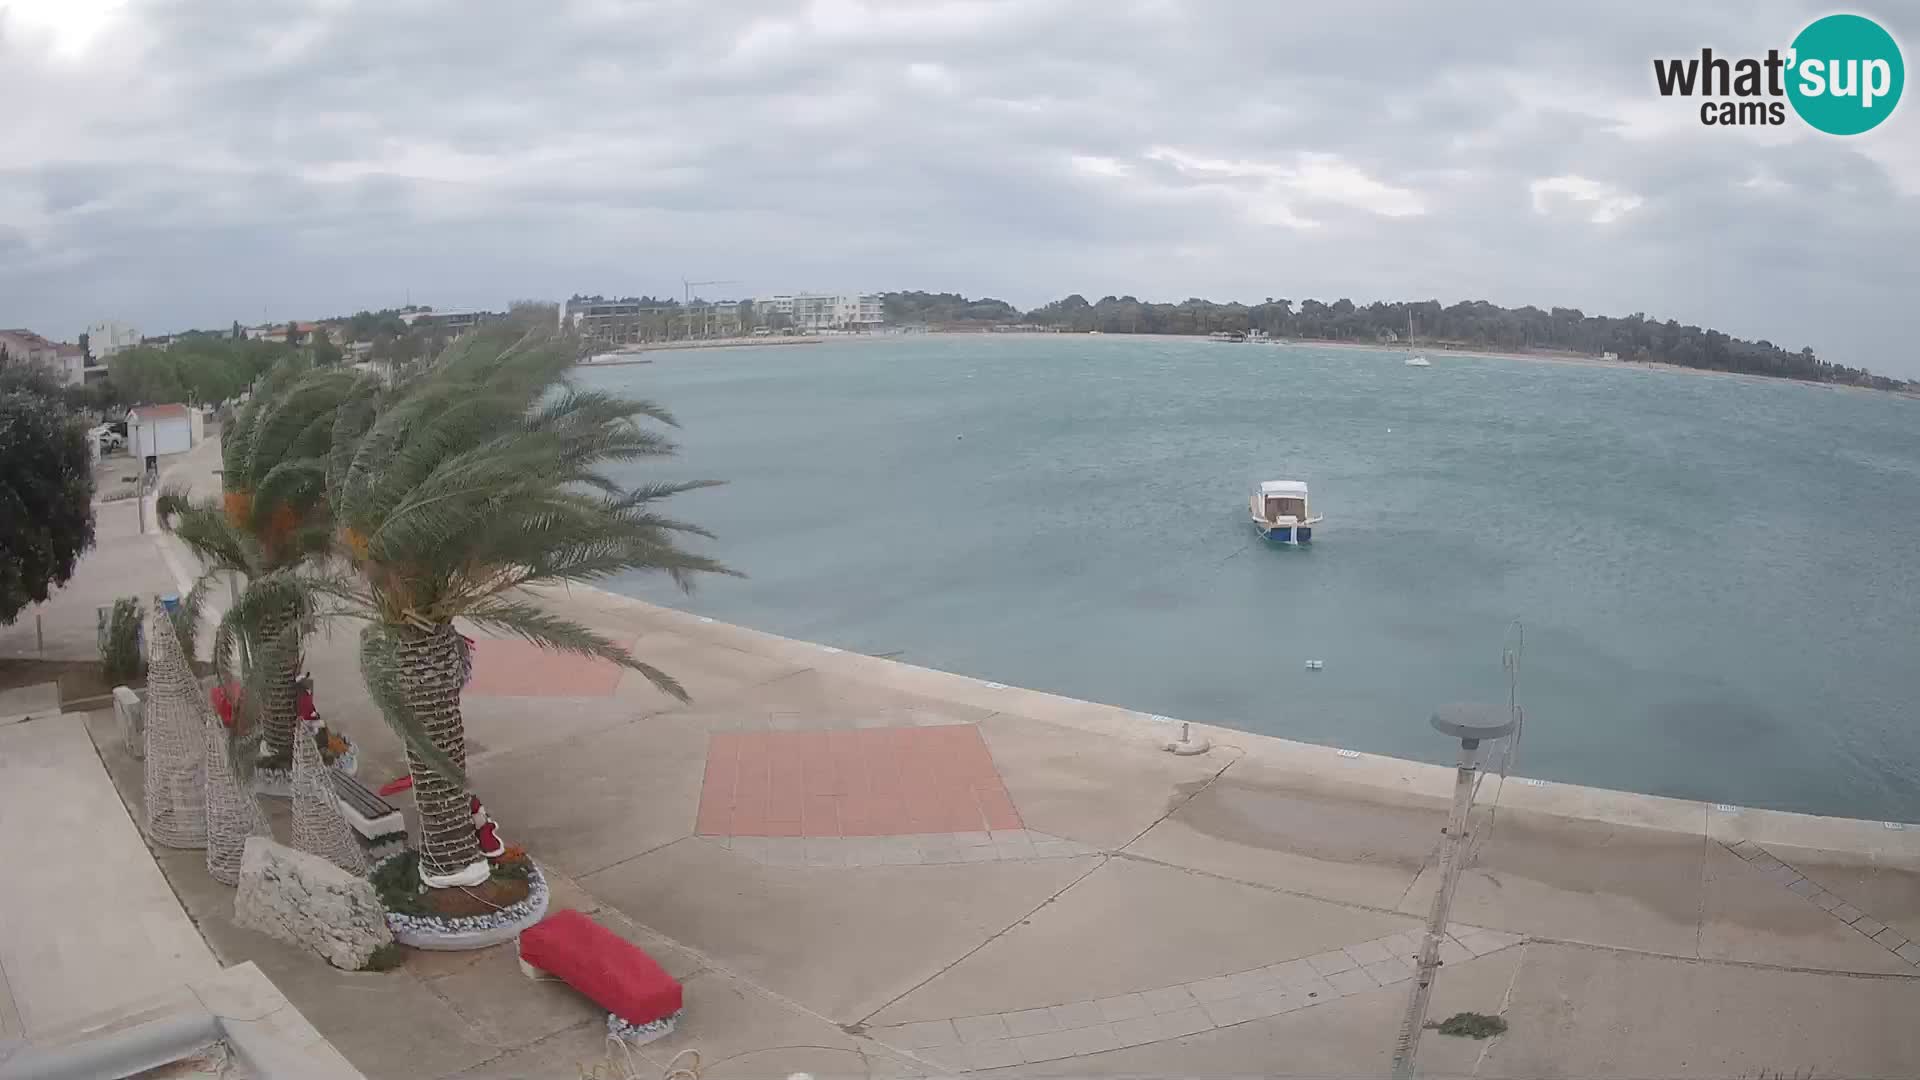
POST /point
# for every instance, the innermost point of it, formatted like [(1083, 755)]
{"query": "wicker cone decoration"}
[(175, 761), (232, 813), (318, 826)]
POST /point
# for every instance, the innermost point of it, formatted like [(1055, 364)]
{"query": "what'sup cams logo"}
[(1842, 75)]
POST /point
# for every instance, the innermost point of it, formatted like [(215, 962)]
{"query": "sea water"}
[(1717, 576)]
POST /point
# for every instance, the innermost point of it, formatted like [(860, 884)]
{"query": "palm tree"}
[(272, 516), (453, 494)]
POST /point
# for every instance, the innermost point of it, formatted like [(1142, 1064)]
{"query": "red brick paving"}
[(509, 667), (869, 782)]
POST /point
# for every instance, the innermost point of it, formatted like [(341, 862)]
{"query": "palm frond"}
[(351, 421), (287, 417), (192, 608), (646, 493), (238, 444), (544, 628), (281, 598), (236, 441), (229, 649), (348, 594), (299, 484), (204, 528)]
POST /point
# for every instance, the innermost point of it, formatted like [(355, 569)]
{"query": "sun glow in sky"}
[(71, 25)]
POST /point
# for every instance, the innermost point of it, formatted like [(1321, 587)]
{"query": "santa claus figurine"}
[(485, 829)]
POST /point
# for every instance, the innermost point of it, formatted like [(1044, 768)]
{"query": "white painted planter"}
[(475, 931)]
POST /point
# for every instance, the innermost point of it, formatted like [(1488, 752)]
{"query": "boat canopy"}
[(1284, 487)]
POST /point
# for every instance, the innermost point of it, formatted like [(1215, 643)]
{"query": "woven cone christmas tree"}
[(318, 825), (232, 813), (175, 760)]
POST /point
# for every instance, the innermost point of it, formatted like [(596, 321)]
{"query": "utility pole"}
[(1472, 725)]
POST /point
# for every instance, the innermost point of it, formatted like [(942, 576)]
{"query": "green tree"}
[(146, 375), (476, 480), (325, 352), (200, 368), (46, 490)]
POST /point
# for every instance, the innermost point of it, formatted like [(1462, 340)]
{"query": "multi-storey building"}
[(823, 311), (68, 363), (109, 337)]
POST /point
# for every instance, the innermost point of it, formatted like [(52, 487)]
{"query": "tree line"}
[(1472, 324), (199, 369)]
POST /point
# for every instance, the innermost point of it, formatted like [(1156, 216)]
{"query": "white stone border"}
[(1092, 1026), (471, 931)]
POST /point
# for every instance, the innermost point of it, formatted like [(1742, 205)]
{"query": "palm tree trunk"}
[(428, 665), (280, 712)]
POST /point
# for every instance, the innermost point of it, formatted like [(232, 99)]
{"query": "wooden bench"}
[(370, 815), (611, 971)]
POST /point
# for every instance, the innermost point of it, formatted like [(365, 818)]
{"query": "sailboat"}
[(1413, 360)]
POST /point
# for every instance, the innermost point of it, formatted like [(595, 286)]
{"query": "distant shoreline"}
[(1435, 352), (630, 354), (619, 356), (1583, 360)]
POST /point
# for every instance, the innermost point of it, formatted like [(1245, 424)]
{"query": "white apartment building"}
[(109, 337), (824, 311)]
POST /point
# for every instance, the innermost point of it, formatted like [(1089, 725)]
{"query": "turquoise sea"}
[(1717, 576)]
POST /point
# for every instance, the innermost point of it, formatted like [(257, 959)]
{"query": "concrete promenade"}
[(864, 868)]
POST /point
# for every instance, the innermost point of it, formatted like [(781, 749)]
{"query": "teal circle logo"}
[(1846, 74)]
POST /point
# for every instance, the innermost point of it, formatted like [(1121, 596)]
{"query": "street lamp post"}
[(1472, 725)]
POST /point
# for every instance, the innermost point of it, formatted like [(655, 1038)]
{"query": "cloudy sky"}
[(189, 162)]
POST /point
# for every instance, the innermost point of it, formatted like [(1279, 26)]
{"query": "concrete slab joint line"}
[(1094, 1025), (1878, 932)]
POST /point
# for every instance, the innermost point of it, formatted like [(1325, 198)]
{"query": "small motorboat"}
[(1281, 512), (1417, 361)]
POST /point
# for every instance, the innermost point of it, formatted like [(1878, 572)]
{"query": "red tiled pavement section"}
[(508, 667), (870, 782)]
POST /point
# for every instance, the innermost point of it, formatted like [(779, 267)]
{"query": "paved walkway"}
[(88, 923), (818, 847)]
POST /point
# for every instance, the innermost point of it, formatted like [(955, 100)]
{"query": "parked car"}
[(111, 440)]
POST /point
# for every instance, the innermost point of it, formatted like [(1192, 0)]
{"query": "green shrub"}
[(120, 659), (397, 880), (1472, 1025), (386, 958)]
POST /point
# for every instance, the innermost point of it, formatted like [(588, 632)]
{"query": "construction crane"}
[(686, 302), (687, 287)]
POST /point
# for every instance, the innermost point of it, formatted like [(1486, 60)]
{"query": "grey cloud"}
[(205, 160)]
